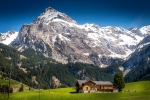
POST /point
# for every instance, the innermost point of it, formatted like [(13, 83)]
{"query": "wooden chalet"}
[(86, 86)]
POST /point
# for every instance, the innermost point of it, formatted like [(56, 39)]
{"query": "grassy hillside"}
[(14, 84), (142, 86), (143, 93)]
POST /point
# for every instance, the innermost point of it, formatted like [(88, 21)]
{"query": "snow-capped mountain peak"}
[(50, 9), (50, 15), (91, 27), (145, 30), (8, 37), (133, 29)]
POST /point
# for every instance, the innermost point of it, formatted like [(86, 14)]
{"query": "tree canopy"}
[(119, 81)]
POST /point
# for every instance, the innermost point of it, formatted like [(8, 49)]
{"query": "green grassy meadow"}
[(142, 93)]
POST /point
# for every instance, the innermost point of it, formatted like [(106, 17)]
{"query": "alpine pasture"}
[(132, 91)]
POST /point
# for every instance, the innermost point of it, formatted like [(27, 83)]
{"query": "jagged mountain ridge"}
[(8, 37), (50, 15), (57, 36)]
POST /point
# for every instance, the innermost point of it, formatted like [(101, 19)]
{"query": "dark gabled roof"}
[(80, 82), (89, 81), (103, 82)]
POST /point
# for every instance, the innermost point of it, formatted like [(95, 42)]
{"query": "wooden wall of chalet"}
[(104, 87), (88, 86)]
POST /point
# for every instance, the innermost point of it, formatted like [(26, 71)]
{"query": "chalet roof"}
[(80, 82), (103, 82)]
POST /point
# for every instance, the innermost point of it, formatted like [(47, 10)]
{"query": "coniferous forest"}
[(33, 69)]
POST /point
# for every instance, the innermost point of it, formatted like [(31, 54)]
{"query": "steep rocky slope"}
[(138, 64)]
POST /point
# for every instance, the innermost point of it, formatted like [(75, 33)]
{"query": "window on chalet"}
[(86, 88), (102, 87)]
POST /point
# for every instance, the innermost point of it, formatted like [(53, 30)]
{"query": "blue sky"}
[(123, 13)]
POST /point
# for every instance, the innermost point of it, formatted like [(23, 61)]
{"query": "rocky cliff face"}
[(57, 36)]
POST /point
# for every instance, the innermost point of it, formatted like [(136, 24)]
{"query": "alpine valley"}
[(60, 48)]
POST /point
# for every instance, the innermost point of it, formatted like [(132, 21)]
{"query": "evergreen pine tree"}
[(119, 81)]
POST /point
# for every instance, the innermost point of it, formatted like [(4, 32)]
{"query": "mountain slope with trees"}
[(34, 69), (139, 63)]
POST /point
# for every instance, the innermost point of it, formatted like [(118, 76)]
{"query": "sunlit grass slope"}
[(13, 84), (141, 86), (143, 93)]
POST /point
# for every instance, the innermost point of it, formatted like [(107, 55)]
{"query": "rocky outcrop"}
[(55, 83)]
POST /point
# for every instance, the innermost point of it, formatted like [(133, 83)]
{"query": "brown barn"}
[(92, 86)]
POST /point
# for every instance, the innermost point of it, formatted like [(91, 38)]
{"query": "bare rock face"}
[(59, 37), (55, 83)]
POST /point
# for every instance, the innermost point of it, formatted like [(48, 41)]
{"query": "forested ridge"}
[(32, 68), (140, 64)]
